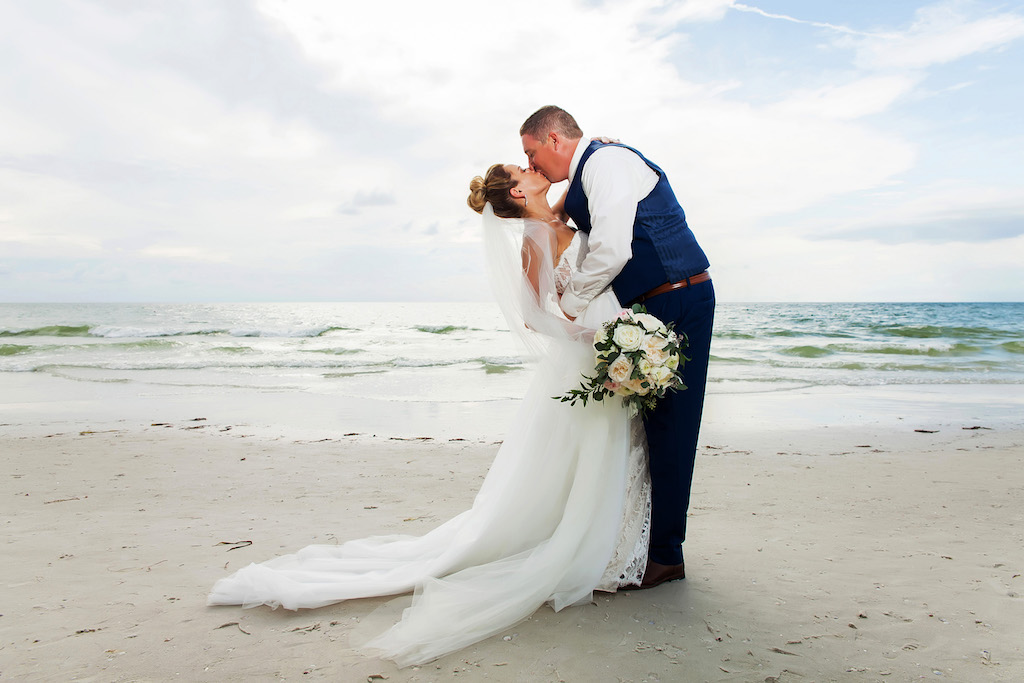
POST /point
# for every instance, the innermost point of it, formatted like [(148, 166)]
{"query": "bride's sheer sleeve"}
[(542, 312), (520, 266), (533, 258)]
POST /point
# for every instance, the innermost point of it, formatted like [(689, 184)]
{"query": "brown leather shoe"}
[(657, 574)]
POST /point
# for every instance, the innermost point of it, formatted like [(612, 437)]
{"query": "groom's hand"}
[(569, 317)]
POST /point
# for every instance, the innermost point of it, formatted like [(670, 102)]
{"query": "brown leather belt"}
[(703, 276)]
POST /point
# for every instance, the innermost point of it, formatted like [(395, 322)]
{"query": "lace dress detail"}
[(628, 563), (568, 263)]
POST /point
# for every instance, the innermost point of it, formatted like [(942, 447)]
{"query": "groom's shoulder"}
[(615, 150), (616, 155)]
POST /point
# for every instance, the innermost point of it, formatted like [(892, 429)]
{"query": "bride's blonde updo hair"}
[(493, 188)]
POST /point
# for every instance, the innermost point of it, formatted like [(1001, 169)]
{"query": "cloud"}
[(367, 199), (288, 149), (817, 24), (852, 100), (979, 227), (187, 253), (940, 214), (940, 34)]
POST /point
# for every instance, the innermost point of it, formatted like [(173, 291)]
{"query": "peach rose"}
[(654, 347), (620, 369), (636, 386)]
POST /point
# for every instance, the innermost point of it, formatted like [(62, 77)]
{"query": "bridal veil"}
[(546, 523)]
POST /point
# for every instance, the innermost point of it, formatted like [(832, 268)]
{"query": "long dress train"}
[(563, 510)]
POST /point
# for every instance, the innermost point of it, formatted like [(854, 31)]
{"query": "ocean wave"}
[(228, 362), (40, 349), (732, 359), (51, 331), (354, 373), (334, 352), (440, 329), (1013, 347), (496, 366), (14, 349), (934, 352), (118, 332), (239, 360), (806, 351), (310, 332), (717, 384), (232, 349), (952, 332), (795, 368), (422, 363), (148, 344), (829, 334)]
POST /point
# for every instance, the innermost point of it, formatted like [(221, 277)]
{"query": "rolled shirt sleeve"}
[(614, 180)]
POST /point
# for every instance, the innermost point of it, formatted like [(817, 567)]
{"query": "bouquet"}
[(639, 358)]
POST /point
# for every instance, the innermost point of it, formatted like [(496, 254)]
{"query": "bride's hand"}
[(607, 141), (559, 207)]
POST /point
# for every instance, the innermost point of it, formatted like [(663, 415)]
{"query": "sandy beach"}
[(884, 548)]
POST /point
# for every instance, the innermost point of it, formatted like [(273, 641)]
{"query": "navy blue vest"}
[(664, 248)]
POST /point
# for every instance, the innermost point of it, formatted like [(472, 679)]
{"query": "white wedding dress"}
[(563, 511)]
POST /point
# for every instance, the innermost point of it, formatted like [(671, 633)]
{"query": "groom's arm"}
[(614, 180)]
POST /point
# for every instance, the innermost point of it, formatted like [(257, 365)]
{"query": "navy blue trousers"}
[(673, 426)]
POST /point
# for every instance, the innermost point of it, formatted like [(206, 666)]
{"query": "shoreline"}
[(38, 402)]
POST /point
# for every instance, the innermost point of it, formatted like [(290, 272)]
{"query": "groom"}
[(641, 245)]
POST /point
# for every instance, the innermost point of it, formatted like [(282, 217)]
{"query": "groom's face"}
[(544, 158)]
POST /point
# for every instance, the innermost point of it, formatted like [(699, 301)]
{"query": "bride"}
[(565, 507)]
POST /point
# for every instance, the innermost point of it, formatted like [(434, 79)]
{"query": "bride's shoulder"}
[(539, 231)]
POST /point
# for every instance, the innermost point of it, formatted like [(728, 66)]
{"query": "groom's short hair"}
[(551, 118)]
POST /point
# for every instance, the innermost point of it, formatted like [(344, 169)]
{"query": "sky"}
[(313, 150)]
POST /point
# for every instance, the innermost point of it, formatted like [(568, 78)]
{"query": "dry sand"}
[(824, 554)]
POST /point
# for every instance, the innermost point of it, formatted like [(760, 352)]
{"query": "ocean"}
[(357, 346), (371, 355)]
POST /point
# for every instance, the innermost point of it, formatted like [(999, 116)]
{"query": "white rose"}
[(645, 366), (654, 348), (620, 369), (673, 362), (650, 322), (662, 376), (628, 337)]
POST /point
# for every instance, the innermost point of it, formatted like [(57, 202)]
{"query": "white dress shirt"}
[(615, 180)]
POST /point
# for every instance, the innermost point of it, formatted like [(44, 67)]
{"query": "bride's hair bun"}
[(494, 188), (477, 194)]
